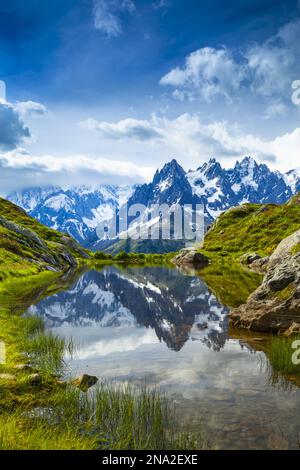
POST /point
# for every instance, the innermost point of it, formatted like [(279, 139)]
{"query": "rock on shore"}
[(275, 306), (189, 256)]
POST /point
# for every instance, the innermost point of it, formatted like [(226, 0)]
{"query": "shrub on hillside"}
[(99, 255), (122, 256)]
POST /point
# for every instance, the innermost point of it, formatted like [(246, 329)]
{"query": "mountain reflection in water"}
[(178, 308), (167, 328)]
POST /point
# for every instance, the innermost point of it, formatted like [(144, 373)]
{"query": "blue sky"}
[(108, 90)]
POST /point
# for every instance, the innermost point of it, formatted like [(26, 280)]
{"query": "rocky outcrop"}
[(57, 257), (75, 247), (32, 247), (275, 306), (189, 256)]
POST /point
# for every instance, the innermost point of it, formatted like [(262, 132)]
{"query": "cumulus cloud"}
[(132, 129), (265, 69), (12, 128), (193, 141), (274, 63), (107, 15), (30, 108), (20, 169), (207, 72)]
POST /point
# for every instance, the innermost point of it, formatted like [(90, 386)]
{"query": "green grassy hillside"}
[(27, 247), (252, 228)]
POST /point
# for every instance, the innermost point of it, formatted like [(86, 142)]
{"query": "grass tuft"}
[(281, 353)]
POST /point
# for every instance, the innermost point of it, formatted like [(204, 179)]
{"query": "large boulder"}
[(275, 306), (189, 256)]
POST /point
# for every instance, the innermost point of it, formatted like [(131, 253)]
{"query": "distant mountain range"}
[(76, 211), (79, 210)]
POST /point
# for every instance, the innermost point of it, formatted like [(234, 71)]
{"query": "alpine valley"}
[(78, 210)]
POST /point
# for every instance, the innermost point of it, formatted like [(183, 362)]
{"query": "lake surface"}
[(167, 328)]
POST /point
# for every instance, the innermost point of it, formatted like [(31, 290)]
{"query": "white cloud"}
[(30, 108), (107, 15), (139, 130), (274, 63), (12, 128), (192, 141), (20, 169), (208, 72), (265, 69), (275, 109)]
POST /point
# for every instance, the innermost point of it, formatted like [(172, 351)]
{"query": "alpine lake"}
[(169, 329)]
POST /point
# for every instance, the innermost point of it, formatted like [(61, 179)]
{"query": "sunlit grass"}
[(251, 228), (18, 432), (115, 418), (281, 354)]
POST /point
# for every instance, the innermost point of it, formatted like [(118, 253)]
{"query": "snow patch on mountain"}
[(292, 179)]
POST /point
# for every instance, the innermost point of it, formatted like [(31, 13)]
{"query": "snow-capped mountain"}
[(216, 188), (79, 210), (220, 189)]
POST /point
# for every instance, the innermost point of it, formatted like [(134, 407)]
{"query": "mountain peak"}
[(173, 164), (247, 161), (171, 170), (211, 169)]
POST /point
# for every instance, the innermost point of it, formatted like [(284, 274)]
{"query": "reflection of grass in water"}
[(231, 283), (50, 415)]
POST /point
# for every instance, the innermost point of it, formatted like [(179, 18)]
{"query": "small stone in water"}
[(85, 381)]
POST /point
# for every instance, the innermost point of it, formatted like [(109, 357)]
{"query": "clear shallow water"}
[(159, 325)]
